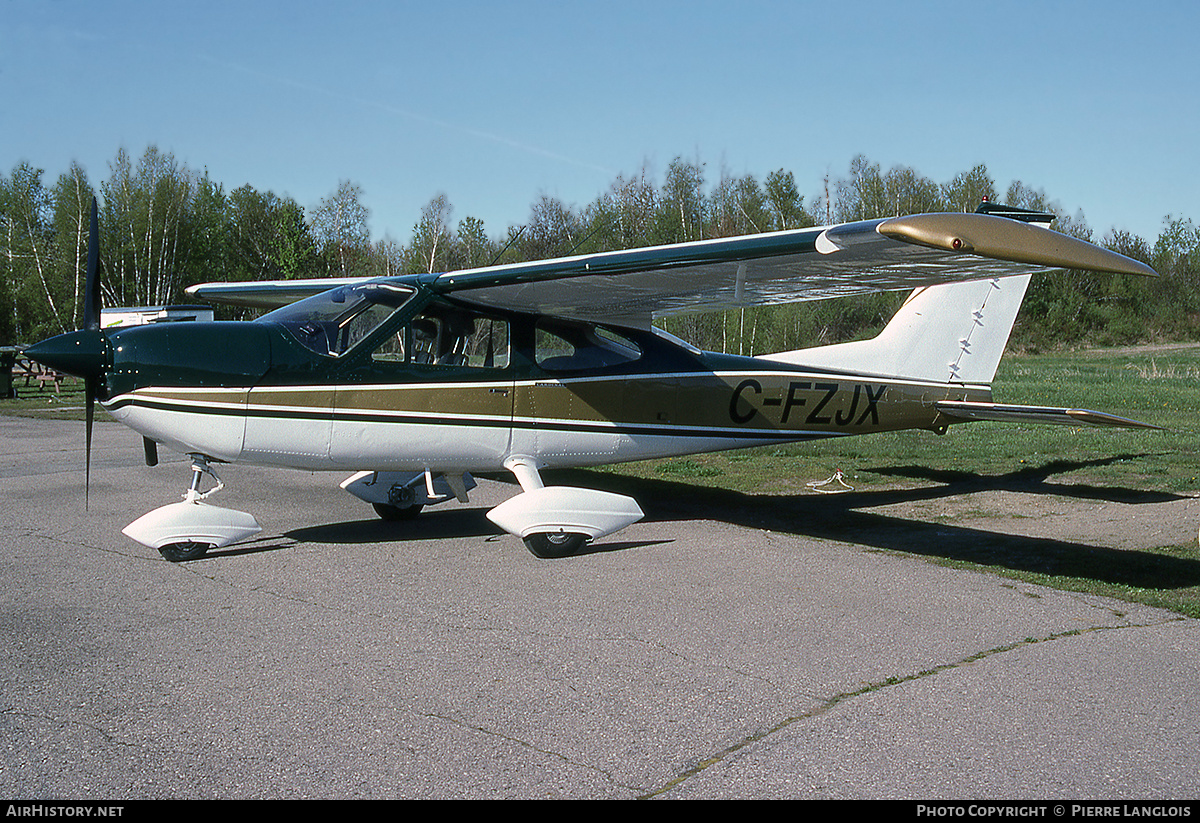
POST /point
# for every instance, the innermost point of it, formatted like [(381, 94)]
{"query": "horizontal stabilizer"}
[(1035, 414)]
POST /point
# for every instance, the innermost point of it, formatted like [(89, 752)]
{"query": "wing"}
[(633, 287), (901, 253), (267, 294)]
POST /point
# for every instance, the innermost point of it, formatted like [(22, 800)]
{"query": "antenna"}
[(594, 232), (511, 240)]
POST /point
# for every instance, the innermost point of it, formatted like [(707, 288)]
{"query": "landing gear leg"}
[(193, 549), (200, 467)]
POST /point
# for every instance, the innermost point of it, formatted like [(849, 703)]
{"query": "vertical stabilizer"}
[(953, 333)]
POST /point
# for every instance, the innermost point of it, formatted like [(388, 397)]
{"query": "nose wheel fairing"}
[(173, 526), (557, 521)]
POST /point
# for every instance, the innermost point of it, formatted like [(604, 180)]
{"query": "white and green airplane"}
[(412, 383)]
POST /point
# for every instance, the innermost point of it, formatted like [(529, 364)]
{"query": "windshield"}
[(331, 323)]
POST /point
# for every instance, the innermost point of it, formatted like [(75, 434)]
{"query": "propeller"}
[(83, 353), (91, 322), (91, 294)]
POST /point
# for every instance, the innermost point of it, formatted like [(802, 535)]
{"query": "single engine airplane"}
[(411, 383)]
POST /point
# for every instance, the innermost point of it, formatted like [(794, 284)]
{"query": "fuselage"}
[(429, 384)]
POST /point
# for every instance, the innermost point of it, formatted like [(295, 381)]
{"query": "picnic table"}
[(23, 373)]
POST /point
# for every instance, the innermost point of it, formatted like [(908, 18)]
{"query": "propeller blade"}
[(91, 306), (91, 321), (83, 352), (89, 416)]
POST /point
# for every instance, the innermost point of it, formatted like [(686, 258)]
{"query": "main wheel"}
[(555, 544), (388, 512), (179, 552)]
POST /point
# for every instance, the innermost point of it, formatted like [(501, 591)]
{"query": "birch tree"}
[(72, 196), (432, 242), (145, 228), (269, 238), (968, 189), (552, 231), (784, 202), (682, 206), (25, 209), (339, 226)]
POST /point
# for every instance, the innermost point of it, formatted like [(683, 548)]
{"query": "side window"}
[(425, 334), (561, 346), (551, 348), (353, 330), (487, 346), (441, 336), (393, 349)]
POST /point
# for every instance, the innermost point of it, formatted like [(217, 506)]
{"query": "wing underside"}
[(809, 264), (588, 292)]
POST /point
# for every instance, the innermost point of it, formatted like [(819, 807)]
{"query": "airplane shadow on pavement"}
[(847, 517)]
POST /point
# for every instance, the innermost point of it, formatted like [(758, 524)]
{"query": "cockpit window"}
[(333, 322), (566, 346), (445, 336)]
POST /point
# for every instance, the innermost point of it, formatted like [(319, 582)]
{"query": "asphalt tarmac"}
[(692, 655)]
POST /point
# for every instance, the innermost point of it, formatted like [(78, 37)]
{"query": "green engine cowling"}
[(218, 354)]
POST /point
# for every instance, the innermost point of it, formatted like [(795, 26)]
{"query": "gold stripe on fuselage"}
[(778, 402)]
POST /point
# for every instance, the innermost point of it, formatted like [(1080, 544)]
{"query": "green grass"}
[(47, 403)]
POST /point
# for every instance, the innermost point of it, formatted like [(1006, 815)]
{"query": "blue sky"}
[(494, 103)]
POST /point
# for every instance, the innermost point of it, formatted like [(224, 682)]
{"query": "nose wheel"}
[(186, 550), (182, 552), (555, 544)]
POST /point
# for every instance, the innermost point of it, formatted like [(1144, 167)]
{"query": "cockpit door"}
[(436, 394)]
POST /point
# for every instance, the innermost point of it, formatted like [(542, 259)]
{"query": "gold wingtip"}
[(1005, 239)]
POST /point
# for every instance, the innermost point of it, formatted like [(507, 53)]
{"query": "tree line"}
[(164, 226)]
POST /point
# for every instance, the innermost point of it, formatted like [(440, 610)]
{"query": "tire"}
[(181, 552), (397, 512), (549, 545)]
